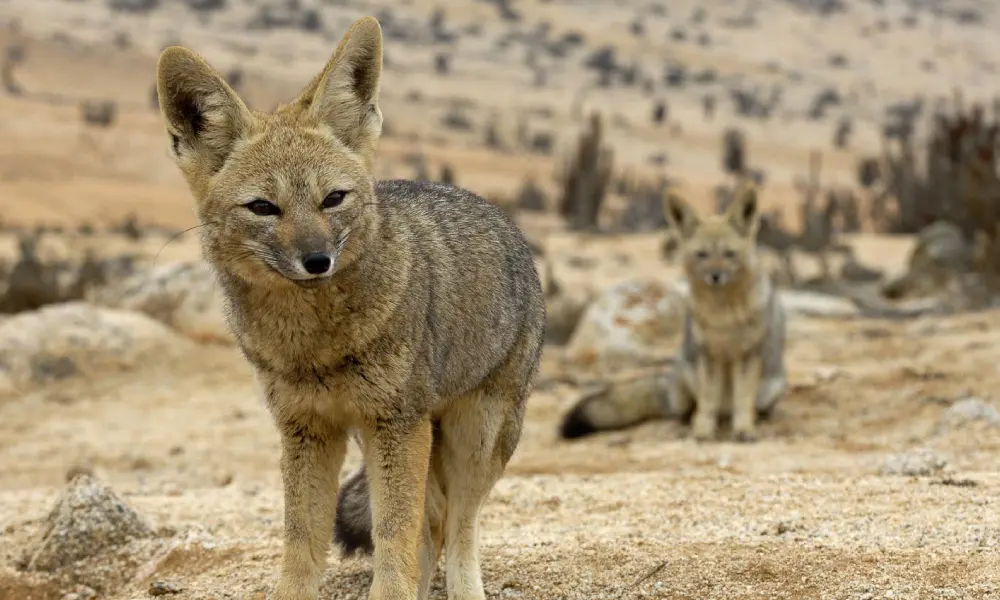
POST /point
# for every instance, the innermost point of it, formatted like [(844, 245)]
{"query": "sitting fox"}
[(407, 313), (731, 359)]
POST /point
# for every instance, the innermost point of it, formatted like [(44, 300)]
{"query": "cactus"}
[(587, 176), (734, 160)]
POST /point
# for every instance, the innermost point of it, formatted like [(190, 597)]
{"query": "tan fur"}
[(731, 359), (420, 333)]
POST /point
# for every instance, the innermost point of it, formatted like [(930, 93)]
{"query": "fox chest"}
[(294, 344), (729, 338)]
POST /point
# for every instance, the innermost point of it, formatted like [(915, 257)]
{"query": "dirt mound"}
[(87, 520)]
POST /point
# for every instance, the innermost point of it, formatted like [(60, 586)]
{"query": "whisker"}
[(177, 235)]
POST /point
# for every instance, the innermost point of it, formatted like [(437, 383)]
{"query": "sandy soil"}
[(646, 513), (804, 513)]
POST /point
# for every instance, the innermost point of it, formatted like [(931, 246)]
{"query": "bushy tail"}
[(617, 406), (352, 529)]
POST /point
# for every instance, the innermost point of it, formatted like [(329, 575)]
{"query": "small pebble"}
[(164, 588), (914, 463)]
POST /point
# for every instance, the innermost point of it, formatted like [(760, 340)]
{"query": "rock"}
[(813, 304), (60, 341), (563, 313), (164, 588), (88, 518), (133, 6), (563, 308), (636, 322), (183, 295), (80, 593), (940, 255), (631, 323), (914, 463), (966, 411)]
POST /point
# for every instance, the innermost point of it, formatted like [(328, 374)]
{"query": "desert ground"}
[(876, 477)]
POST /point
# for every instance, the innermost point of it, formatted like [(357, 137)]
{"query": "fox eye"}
[(334, 198), (729, 254), (263, 208), (701, 254)]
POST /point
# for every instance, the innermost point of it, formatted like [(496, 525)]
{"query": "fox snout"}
[(714, 270), (311, 261), (305, 260), (317, 263), (716, 278)]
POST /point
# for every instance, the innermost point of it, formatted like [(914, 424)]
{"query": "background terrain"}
[(877, 476)]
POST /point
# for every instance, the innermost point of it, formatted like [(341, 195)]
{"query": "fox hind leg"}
[(478, 437), (771, 389), (682, 391), (432, 540)]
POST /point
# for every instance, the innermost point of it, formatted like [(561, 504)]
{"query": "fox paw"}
[(745, 437), (703, 434)]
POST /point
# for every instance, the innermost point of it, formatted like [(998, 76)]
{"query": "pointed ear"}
[(203, 115), (344, 97), (743, 212), (679, 214)]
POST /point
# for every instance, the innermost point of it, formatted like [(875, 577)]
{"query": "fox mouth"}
[(715, 279), (300, 279), (301, 274), (308, 281), (312, 282)]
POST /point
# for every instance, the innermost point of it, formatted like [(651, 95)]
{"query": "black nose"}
[(316, 263), (715, 277)]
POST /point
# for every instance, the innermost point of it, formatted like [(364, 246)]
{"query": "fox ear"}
[(344, 97), (679, 214), (203, 115), (744, 211)]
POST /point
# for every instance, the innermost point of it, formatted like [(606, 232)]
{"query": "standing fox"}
[(409, 314), (731, 359)]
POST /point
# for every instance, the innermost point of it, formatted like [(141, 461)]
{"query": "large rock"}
[(918, 462), (183, 295), (564, 307), (88, 519), (815, 304), (60, 341), (806, 303), (630, 324)]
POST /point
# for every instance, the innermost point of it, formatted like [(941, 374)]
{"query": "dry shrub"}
[(950, 176)]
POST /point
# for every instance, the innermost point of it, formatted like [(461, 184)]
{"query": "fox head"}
[(285, 196), (719, 250)]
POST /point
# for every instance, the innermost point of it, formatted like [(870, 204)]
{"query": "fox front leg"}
[(746, 377), (311, 458), (397, 457), (710, 377)]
